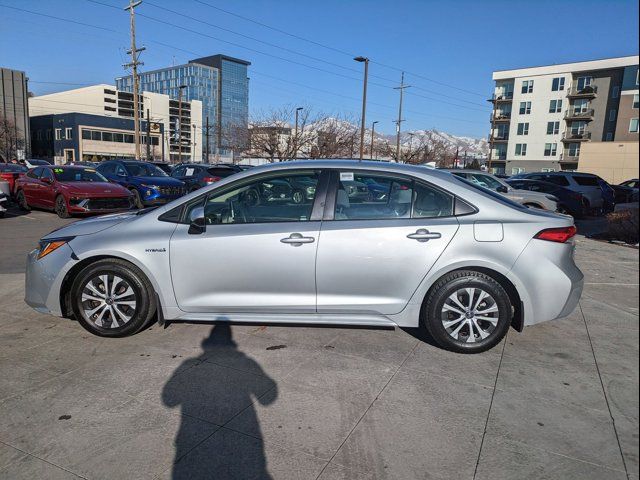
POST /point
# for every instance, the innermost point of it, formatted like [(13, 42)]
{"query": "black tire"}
[(61, 207), (137, 201), (143, 295), (22, 201), (432, 312)]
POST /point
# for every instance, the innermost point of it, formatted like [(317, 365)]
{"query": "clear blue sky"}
[(456, 43)]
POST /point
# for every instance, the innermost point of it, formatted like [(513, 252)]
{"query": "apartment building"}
[(542, 116), (180, 127), (220, 82), (14, 109)]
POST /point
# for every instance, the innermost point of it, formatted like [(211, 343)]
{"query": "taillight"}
[(558, 235), (211, 179)]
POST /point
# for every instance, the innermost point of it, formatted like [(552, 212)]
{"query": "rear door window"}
[(221, 172), (372, 197), (586, 180), (557, 180)]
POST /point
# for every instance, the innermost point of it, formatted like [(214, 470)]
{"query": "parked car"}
[(4, 196), (525, 197), (70, 190), (585, 183), (197, 175), (34, 162), (149, 185), (10, 172), (441, 253), (570, 202), (83, 164), (164, 166), (626, 192)]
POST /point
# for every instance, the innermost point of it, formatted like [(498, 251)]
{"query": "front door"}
[(385, 234), (258, 250)]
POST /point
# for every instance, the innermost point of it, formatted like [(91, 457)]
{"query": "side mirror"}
[(502, 189), (46, 180), (197, 224)]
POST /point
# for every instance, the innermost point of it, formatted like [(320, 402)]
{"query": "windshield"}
[(78, 175), (144, 170), (491, 193)]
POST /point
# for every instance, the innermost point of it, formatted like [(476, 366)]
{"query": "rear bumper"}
[(550, 283)]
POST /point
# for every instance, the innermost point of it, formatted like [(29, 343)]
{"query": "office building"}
[(220, 83), (542, 116), (14, 115), (105, 101)]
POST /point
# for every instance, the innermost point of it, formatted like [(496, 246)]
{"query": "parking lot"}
[(558, 401)]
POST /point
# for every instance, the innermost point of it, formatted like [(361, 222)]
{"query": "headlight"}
[(144, 185), (49, 246)]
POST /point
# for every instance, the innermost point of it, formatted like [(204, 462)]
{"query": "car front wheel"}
[(112, 298), (467, 312), (22, 201), (61, 207)]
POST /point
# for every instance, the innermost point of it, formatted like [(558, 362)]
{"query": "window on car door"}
[(371, 197)]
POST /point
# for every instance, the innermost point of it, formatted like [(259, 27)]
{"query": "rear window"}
[(12, 168), (586, 181), (221, 172), (558, 180), (495, 195)]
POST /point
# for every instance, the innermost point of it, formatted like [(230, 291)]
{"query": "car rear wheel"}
[(112, 298), (137, 201), (22, 201), (61, 207), (467, 312)]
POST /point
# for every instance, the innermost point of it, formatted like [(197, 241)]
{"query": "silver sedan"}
[(413, 247)]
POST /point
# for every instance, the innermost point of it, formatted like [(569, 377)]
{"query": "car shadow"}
[(225, 454)]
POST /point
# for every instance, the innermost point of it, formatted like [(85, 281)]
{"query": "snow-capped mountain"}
[(473, 147)]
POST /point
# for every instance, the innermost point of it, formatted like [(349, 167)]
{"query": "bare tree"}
[(11, 140), (334, 137)]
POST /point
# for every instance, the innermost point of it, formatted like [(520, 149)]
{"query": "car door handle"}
[(423, 235), (296, 239)]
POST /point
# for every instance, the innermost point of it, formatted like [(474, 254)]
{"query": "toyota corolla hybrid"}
[(437, 252)]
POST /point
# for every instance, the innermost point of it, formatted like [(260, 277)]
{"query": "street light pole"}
[(373, 129), (295, 137), (364, 102)]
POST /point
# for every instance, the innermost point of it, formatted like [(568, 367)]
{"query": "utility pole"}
[(373, 129), (364, 102), (148, 137), (134, 66), (400, 120)]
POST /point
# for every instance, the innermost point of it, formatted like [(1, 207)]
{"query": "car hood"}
[(89, 188), (159, 181), (92, 225)]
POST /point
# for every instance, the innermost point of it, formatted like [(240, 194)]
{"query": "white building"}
[(106, 101), (542, 115)]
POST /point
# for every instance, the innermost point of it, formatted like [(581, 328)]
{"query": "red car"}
[(70, 190), (10, 172)]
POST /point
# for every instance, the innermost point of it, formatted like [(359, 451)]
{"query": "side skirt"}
[(288, 318)]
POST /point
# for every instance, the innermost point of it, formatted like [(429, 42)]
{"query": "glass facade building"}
[(219, 82)]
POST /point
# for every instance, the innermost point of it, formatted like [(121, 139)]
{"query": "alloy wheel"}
[(470, 315), (108, 301)]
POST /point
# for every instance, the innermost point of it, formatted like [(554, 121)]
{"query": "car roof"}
[(464, 170), (66, 167)]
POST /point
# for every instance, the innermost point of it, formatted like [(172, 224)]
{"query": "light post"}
[(179, 123), (295, 138), (364, 60), (373, 129), (193, 149)]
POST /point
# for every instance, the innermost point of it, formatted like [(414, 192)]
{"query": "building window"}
[(110, 100), (109, 92), (525, 108), (578, 128), (517, 170), (521, 149), (523, 128), (39, 135), (612, 115), (58, 134), (609, 137), (48, 134), (581, 106), (574, 149), (553, 128), (527, 86), (95, 135), (110, 109), (584, 82), (555, 106), (636, 100), (550, 149), (86, 134), (615, 92), (68, 133), (557, 84), (633, 125)]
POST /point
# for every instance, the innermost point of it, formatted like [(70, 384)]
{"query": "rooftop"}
[(589, 65)]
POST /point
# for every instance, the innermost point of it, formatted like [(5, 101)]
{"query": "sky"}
[(301, 52)]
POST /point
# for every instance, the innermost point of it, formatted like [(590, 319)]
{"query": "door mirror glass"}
[(197, 222)]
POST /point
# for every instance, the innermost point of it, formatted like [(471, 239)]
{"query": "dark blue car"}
[(569, 201), (150, 185)]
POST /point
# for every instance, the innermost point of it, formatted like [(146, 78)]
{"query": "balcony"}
[(581, 114), (567, 157), (570, 137), (498, 155), (501, 97), (500, 117), (499, 138), (589, 91)]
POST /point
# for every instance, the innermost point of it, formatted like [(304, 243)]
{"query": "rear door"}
[(47, 191), (31, 186), (375, 250)]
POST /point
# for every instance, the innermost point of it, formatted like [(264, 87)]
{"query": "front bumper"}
[(152, 198), (44, 277), (100, 205)]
